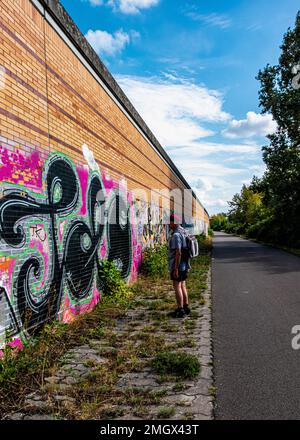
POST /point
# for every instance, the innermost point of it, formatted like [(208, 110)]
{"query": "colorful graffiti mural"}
[(58, 221), (54, 232), (152, 223)]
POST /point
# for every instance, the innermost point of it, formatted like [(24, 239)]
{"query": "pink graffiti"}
[(108, 183), (83, 174), (70, 311), (103, 250), (43, 248), (15, 167)]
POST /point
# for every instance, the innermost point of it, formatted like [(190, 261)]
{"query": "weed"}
[(179, 386), (155, 262), (188, 416), (189, 324), (111, 412), (212, 391), (111, 282), (186, 342), (141, 411), (166, 413), (176, 363)]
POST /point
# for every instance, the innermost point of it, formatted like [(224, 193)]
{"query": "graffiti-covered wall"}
[(78, 171)]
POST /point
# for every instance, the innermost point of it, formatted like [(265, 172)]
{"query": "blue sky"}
[(189, 67)]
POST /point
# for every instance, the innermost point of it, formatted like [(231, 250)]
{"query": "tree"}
[(246, 208), (218, 222), (280, 95)]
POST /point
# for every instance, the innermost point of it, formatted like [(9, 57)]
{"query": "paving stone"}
[(52, 380), (35, 396), (39, 417), (204, 342), (206, 361), (106, 350), (199, 416), (202, 387), (14, 416), (206, 372), (204, 350), (59, 387), (179, 399), (59, 398), (141, 382), (38, 404), (205, 326), (80, 368), (205, 335), (69, 380), (128, 417), (202, 405)]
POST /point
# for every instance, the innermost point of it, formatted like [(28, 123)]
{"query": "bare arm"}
[(177, 261)]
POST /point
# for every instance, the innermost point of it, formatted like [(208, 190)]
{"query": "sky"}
[(189, 67)]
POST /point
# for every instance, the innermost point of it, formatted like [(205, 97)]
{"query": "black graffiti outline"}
[(12, 314), (36, 233), (79, 262)]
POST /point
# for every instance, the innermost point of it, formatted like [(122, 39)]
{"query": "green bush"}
[(265, 230), (201, 238), (204, 242), (111, 282), (155, 261), (235, 228), (180, 364)]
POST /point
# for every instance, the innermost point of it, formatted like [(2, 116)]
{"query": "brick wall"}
[(73, 152)]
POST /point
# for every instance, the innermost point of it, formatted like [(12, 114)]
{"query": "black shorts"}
[(182, 275)]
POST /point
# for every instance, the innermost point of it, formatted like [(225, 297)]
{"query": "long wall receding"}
[(67, 134)]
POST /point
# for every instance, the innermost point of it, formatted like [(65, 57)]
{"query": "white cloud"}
[(105, 43), (174, 111), (254, 125), (96, 2), (200, 149), (181, 114), (131, 6), (217, 20)]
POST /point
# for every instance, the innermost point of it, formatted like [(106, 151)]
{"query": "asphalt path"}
[(256, 303)]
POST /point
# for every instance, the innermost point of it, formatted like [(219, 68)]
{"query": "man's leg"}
[(185, 296), (178, 292)]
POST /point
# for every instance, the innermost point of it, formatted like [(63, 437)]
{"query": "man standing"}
[(178, 267)]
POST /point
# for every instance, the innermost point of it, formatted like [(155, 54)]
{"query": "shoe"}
[(179, 313), (186, 309)]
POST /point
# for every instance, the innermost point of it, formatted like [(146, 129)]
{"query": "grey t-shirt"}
[(177, 241)]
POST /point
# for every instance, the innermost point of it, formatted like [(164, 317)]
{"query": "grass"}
[(97, 395), (180, 364), (179, 386), (166, 413)]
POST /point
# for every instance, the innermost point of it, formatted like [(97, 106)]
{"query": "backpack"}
[(192, 248)]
